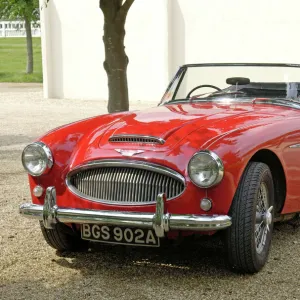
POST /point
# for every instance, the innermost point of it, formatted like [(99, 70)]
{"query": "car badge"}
[(129, 152)]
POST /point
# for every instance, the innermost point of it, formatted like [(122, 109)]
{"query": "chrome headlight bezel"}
[(218, 162), (47, 162)]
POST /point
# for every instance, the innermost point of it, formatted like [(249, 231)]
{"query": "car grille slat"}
[(100, 190), (110, 184), (147, 186), (134, 187), (125, 185), (157, 187), (106, 182), (177, 188), (138, 185), (93, 187), (120, 178)]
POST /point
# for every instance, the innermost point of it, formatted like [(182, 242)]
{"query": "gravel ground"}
[(29, 269)]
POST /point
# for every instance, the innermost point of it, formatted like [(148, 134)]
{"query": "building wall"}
[(161, 35), (239, 31), (73, 50)]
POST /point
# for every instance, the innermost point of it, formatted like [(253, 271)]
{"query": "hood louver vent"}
[(138, 139)]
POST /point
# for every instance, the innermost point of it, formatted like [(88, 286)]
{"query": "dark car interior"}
[(289, 90)]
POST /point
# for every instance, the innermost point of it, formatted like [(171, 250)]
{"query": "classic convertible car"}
[(221, 152)]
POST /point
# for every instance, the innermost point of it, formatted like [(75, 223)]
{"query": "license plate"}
[(119, 235)]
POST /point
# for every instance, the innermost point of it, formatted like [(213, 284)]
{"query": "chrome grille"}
[(124, 182), (127, 138)]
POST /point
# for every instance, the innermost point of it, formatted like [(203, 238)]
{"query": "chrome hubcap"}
[(264, 218)]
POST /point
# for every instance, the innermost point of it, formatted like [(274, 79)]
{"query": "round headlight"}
[(206, 169), (37, 159)]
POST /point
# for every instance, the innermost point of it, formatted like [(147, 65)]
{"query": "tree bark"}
[(29, 68), (116, 60)]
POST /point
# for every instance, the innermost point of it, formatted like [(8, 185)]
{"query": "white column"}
[(168, 51), (46, 46)]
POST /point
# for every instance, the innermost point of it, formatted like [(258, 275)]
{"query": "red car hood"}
[(175, 124), (165, 121)]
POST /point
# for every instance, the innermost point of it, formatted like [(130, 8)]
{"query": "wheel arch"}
[(271, 159)]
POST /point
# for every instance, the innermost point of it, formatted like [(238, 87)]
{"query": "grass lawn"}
[(13, 60)]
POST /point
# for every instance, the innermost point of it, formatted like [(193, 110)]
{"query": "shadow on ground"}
[(190, 255), (189, 269), (203, 256)]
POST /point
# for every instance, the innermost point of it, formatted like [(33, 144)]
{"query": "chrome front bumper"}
[(160, 221)]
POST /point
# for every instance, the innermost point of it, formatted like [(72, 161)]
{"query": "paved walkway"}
[(30, 269), (19, 87)]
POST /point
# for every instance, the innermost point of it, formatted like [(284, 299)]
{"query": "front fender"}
[(236, 149), (63, 142)]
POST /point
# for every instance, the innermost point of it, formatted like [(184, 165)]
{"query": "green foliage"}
[(13, 60), (19, 9)]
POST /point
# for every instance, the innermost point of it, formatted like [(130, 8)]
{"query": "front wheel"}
[(248, 240), (63, 238)]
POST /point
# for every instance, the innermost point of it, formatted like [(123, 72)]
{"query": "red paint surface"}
[(234, 132)]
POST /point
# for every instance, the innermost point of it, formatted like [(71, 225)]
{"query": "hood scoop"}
[(136, 139)]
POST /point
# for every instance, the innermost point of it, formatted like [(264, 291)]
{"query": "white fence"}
[(17, 29)]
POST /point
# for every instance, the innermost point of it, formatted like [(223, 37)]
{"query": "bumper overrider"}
[(161, 221)]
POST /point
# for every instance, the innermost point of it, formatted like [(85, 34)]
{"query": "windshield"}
[(235, 82)]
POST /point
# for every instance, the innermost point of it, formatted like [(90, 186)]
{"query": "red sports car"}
[(221, 152)]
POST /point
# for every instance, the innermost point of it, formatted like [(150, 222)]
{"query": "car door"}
[(291, 157)]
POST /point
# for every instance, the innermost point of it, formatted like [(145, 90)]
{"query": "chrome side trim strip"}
[(160, 221), (148, 139), (121, 163), (295, 146)]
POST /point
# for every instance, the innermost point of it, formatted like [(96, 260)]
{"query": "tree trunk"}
[(115, 65), (116, 60), (29, 68)]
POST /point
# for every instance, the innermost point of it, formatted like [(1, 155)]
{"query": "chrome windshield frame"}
[(182, 70), (243, 65)]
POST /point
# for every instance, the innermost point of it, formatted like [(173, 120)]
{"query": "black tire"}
[(63, 238), (247, 254)]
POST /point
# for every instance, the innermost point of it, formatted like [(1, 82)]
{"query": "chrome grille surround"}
[(124, 182), (139, 139)]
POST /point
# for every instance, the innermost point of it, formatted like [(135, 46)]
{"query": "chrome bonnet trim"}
[(154, 139), (295, 146), (121, 163), (160, 221)]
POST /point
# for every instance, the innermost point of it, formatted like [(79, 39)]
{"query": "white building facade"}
[(161, 35)]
